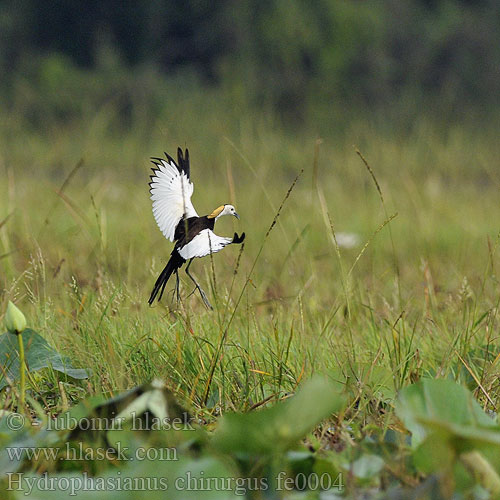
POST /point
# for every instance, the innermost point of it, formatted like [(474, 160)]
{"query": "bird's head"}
[(223, 210)]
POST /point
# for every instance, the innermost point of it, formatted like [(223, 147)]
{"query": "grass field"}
[(416, 297)]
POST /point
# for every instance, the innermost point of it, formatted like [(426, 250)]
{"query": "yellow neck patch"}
[(216, 212)]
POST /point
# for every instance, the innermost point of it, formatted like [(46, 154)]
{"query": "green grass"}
[(80, 251)]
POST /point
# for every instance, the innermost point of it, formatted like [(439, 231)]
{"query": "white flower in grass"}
[(347, 240)]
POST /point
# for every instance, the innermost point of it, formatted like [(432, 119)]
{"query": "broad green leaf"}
[(438, 400), (16, 436), (13, 437), (449, 427), (12, 453), (458, 439), (433, 454), (278, 428), (38, 354), (367, 466)]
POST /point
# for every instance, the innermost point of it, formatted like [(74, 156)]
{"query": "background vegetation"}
[(260, 91)]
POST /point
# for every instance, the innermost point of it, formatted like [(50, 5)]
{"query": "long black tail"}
[(173, 264)]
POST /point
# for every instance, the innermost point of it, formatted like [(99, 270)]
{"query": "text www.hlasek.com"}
[(79, 452), (186, 482)]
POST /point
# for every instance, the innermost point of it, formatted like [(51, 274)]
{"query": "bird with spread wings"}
[(171, 190)]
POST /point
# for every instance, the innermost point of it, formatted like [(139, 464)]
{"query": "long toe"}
[(205, 300)]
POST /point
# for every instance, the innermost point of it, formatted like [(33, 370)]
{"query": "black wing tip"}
[(154, 176), (182, 155), (182, 163), (183, 159), (170, 159), (238, 239), (157, 163)]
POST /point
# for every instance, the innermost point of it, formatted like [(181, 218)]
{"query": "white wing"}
[(204, 243), (171, 193)]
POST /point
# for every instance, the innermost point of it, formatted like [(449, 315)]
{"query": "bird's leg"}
[(177, 286), (202, 293)]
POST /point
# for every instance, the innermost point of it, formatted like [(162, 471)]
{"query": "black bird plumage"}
[(186, 229)]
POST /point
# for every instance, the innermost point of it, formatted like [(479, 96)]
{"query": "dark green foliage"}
[(288, 54), (276, 429), (39, 355), (259, 453)]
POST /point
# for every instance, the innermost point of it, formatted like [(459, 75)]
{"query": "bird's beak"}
[(236, 215)]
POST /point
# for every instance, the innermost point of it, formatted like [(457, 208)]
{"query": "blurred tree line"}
[(290, 54)]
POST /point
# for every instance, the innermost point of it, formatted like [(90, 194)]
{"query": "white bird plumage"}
[(204, 243), (171, 193), (171, 190)]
